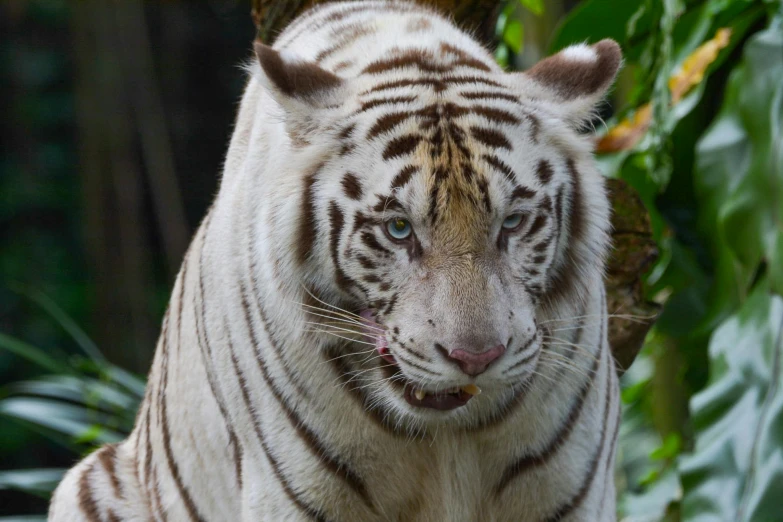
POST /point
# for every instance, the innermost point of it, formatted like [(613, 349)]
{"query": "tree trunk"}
[(634, 248)]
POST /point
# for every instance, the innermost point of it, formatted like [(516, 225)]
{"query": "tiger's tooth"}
[(471, 389), (419, 394)]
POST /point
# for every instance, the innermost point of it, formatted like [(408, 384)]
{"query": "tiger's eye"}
[(399, 228), (512, 221)]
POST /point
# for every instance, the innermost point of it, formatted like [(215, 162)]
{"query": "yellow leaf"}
[(691, 72), (626, 134)]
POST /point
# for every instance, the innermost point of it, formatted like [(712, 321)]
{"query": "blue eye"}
[(399, 228), (512, 221)]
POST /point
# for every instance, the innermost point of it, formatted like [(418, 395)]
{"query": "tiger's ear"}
[(576, 79), (300, 87)]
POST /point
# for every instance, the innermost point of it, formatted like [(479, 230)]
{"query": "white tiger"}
[(394, 310)]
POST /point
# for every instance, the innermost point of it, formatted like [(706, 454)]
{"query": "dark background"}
[(115, 121)]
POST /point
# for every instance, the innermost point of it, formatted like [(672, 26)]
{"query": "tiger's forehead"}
[(448, 149), (450, 144)]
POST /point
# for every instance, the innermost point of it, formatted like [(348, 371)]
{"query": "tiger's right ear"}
[(300, 87)]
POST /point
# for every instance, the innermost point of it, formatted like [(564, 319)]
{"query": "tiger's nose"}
[(476, 363)]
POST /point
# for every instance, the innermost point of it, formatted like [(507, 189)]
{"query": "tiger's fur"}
[(364, 111)]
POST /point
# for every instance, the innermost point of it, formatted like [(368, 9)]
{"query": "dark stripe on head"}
[(490, 137), (523, 193), (538, 224), (525, 360), (390, 307), (388, 203), (371, 104), (351, 186), (464, 58), (307, 226), (349, 36), (361, 220), (483, 187), (559, 209), (496, 115), (366, 262), (501, 166), (435, 83), (403, 176), (421, 59), (535, 126), (339, 66), (565, 277), (490, 95), (415, 364), (336, 223), (388, 122), (401, 146), (369, 239), (544, 172), (578, 217), (458, 80), (347, 132)]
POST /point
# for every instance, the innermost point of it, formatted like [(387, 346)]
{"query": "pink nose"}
[(476, 363)]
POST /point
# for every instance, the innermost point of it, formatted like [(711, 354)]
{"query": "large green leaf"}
[(739, 175), (736, 470)]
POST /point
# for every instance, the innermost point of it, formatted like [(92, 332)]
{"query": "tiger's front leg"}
[(103, 486)]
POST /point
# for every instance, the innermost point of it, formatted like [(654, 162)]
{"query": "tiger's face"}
[(454, 215)]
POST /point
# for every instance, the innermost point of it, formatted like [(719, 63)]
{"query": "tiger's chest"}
[(452, 477)]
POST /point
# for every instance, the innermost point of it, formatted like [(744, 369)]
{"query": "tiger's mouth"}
[(444, 400)]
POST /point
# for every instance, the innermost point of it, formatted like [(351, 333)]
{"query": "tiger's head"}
[(447, 208)]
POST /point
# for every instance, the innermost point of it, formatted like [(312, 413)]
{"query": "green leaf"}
[(127, 380), (39, 482), (650, 505), (736, 470), (32, 354), (534, 6), (669, 449), (501, 55), (739, 179), (593, 20), (68, 324), (83, 390), (59, 417), (513, 36)]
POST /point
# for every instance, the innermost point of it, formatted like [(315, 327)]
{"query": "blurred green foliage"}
[(702, 437), (702, 433)]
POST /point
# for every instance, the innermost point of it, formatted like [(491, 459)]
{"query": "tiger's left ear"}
[(577, 78), (300, 87)]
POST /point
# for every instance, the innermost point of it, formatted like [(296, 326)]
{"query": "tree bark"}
[(634, 250)]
